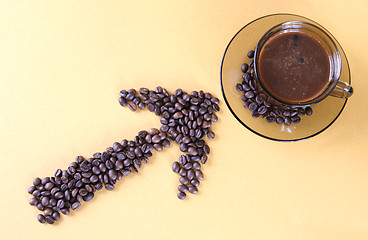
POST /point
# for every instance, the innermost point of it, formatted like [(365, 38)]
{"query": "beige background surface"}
[(62, 65)]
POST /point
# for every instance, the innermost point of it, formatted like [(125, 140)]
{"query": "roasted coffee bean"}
[(132, 106), (192, 151), (250, 54), (287, 121), (279, 120), (65, 211), (76, 205), (184, 180), (190, 174), (33, 201), (60, 204), (196, 166), (199, 175), (112, 174), (239, 87), (176, 167), (48, 212), (181, 195), (182, 172), (308, 111), (45, 180), (193, 189), (83, 192), (40, 207), (194, 182), (31, 189), (244, 67), (56, 216), (41, 218), (183, 188), (295, 119), (249, 94), (109, 187), (270, 119), (122, 101), (253, 107), (88, 197), (37, 181), (49, 220)]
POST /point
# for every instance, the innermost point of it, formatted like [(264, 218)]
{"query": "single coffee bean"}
[(183, 188), (190, 174), (295, 119), (56, 216), (112, 174), (287, 121), (59, 195), (156, 139), (132, 106), (40, 207), (45, 201), (122, 101), (109, 187), (76, 205), (279, 120), (41, 218), (192, 151), (37, 181), (270, 119), (83, 192), (176, 167), (196, 166), (31, 189), (181, 195), (239, 87), (253, 107), (88, 197), (193, 189), (188, 166), (60, 204), (65, 211), (199, 175), (249, 94), (194, 182), (250, 54), (48, 212), (33, 201), (184, 180), (49, 220), (308, 111), (244, 67)]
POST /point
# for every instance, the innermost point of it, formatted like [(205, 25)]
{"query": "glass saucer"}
[(325, 112)]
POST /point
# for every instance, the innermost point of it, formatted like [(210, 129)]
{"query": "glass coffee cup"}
[(299, 64)]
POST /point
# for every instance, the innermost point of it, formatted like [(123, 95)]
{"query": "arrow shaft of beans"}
[(186, 119)]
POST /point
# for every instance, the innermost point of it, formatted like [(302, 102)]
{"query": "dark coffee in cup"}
[(294, 67), (299, 64)]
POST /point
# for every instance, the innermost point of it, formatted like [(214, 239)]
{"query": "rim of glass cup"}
[(335, 62), (249, 128)]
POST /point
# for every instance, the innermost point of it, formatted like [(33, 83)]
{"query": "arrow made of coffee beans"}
[(186, 119)]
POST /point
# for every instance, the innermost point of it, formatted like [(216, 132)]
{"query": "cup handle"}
[(342, 90)]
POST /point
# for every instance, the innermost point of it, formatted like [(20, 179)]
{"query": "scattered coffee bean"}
[(182, 195), (41, 218), (193, 189), (250, 54), (49, 220)]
